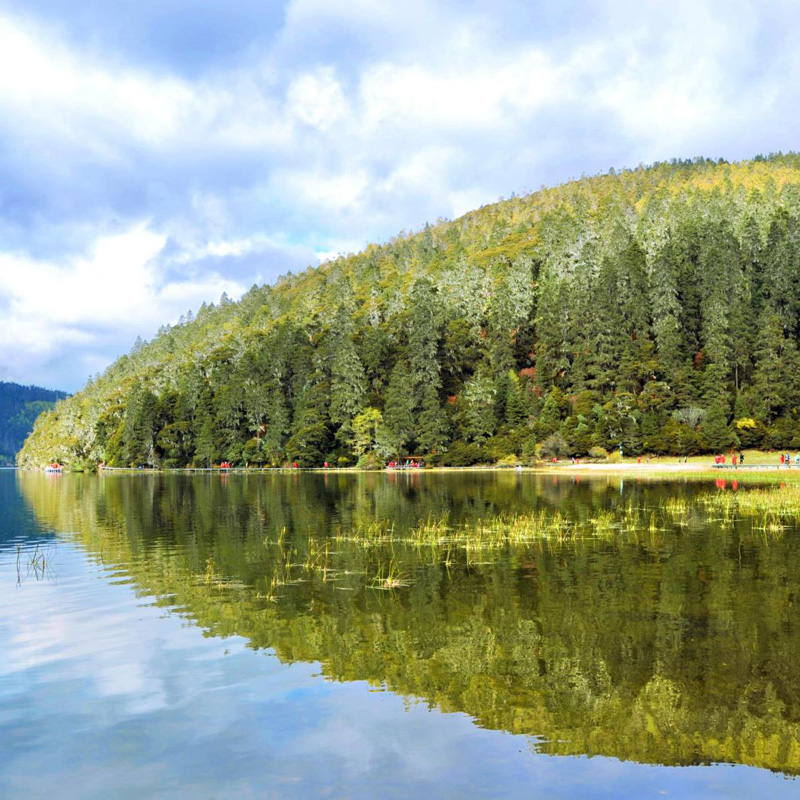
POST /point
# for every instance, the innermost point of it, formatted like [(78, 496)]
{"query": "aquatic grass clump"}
[(378, 532), (676, 506), (38, 564), (391, 576), (504, 530), (770, 509), (771, 501), (605, 524), (380, 553), (491, 532), (494, 532)]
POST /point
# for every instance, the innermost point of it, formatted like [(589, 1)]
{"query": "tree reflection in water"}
[(677, 645)]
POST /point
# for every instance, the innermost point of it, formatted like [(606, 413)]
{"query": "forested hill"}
[(658, 308), (19, 407)]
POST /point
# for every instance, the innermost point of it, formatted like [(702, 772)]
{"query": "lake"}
[(290, 635)]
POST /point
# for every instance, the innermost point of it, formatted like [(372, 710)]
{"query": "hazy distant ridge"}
[(19, 408)]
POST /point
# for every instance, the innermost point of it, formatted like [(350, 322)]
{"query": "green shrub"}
[(554, 446), (463, 454)]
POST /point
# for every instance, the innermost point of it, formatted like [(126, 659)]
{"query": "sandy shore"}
[(627, 467), (655, 468)]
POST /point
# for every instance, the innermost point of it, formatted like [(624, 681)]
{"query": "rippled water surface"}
[(288, 635)]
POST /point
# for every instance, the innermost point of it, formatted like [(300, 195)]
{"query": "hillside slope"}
[(19, 408), (656, 308)]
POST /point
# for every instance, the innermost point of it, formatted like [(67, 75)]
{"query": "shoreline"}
[(624, 468)]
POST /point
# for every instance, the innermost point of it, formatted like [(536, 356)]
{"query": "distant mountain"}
[(653, 310), (19, 408)]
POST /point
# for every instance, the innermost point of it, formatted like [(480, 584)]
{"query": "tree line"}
[(655, 310)]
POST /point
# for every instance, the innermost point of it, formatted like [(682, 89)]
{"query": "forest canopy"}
[(657, 309)]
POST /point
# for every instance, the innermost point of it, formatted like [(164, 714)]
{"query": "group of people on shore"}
[(736, 459)]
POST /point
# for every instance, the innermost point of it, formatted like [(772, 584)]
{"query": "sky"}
[(155, 154)]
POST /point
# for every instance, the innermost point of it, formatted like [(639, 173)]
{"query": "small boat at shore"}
[(55, 467)]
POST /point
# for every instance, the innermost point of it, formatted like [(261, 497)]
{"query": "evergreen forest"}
[(654, 310), (19, 408)]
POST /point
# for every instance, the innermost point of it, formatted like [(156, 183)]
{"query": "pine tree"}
[(140, 427), (398, 413), (430, 429), (477, 417), (311, 440), (348, 382), (774, 380), (719, 436), (552, 414), (782, 269), (516, 412), (605, 334), (553, 327), (638, 362), (666, 310), (720, 263), (205, 452)]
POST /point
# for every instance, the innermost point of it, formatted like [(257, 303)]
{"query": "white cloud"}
[(114, 292), (42, 82), (47, 90), (477, 93), (114, 283), (317, 99), (392, 19), (353, 122), (334, 193)]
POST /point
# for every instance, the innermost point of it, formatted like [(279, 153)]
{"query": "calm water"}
[(213, 636)]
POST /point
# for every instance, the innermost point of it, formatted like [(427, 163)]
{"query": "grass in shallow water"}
[(380, 555)]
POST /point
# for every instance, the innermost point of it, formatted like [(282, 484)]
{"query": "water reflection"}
[(679, 647)]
